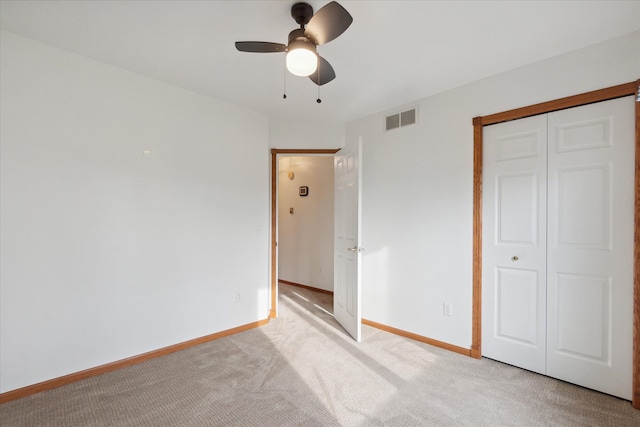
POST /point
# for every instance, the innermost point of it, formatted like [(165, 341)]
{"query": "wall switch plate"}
[(447, 309)]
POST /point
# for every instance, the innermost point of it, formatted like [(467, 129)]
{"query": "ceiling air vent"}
[(397, 120)]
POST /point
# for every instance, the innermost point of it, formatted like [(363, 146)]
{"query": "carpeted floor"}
[(303, 370)]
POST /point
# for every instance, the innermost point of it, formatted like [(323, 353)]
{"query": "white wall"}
[(107, 253), (417, 187), (305, 238), (285, 133)]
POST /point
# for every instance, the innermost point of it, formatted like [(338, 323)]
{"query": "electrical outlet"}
[(447, 309), (238, 297)]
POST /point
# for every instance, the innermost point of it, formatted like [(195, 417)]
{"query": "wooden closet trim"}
[(627, 89), (274, 222)]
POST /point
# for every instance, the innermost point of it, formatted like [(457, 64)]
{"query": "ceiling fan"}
[(302, 57)]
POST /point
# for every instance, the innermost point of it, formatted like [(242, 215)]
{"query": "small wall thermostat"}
[(304, 191)]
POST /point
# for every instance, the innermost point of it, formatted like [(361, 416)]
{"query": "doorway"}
[(306, 221), (273, 311)]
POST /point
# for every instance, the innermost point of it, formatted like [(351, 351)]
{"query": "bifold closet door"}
[(590, 246), (557, 275), (514, 243)]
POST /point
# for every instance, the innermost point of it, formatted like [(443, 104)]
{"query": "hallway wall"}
[(305, 238)]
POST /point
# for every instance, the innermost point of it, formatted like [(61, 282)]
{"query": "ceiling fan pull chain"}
[(284, 77), (318, 100)]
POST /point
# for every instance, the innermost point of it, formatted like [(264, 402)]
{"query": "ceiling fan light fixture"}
[(302, 59)]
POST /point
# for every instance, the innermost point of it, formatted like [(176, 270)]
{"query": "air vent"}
[(408, 117), (397, 120), (393, 121)]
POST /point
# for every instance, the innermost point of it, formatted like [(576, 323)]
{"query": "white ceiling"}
[(395, 52)]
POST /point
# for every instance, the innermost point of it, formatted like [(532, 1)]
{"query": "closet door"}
[(590, 246), (514, 243)]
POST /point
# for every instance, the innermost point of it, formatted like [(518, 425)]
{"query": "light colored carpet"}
[(303, 370)]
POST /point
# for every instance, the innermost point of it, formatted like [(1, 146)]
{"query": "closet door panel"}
[(590, 245), (593, 314), (584, 207), (514, 243)]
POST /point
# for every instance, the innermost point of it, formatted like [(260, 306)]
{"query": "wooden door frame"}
[(273, 313), (627, 89)]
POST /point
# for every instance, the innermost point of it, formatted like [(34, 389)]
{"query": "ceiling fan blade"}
[(260, 47), (324, 73), (328, 23)]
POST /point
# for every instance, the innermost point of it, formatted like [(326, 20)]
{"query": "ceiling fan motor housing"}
[(297, 39), (302, 13)]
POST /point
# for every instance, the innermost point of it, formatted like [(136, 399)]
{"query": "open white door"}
[(346, 241)]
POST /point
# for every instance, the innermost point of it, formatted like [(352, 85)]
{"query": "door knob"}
[(514, 258), (355, 249)]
